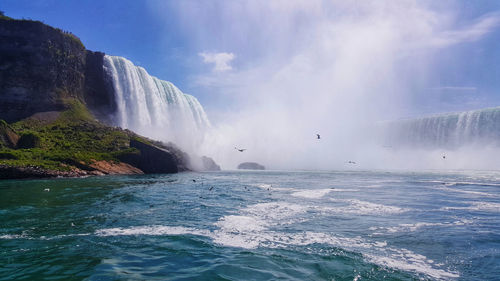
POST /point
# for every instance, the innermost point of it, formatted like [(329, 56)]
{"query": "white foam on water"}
[(343, 190), (13, 236), (477, 206), (408, 261), (312, 193), (251, 230), (270, 187), (256, 226), (24, 236), (469, 192), (238, 224), (249, 233), (263, 185), (149, 230), (447, 186), (411, 227), (366, 207), (237, 240), (375, 252), (310, 237), (473, 183), (275, 213), (362, 208)]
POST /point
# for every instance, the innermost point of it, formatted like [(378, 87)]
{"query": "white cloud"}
[(470, 33), (221, 61)]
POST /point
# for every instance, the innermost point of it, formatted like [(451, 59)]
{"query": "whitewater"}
[(233, 225)]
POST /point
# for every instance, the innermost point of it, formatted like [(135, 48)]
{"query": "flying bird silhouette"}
[(240, 149), (318, 136)]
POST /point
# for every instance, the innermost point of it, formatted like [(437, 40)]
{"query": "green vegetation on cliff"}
[(51, 91), (60, 140)]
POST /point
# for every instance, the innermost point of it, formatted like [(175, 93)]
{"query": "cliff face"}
[(51, 91), (98, 91), (41, 67)]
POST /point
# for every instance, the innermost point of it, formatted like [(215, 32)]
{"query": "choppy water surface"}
[(253, 226)]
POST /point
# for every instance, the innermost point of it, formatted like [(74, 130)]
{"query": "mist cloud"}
[(221, 61), (306, 67), (470, 33)]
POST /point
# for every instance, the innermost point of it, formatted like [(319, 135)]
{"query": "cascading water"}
[(448, 130), (153, 107)]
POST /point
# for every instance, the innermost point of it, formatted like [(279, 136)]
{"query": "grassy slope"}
[(61, 144), (74, 137)]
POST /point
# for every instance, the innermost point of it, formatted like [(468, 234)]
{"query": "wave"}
[(312, 193), (411, 227), (360, 207), (260, 226), (234, 233), (476, 206)]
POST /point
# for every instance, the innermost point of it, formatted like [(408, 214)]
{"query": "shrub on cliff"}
[(28, 140)]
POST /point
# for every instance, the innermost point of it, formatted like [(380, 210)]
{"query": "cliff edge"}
[(55, 103)]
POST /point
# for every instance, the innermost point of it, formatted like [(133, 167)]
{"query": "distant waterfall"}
[(448, 130), (153, 107)]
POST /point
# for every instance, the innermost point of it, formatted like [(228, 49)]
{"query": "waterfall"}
[(153, 107), (449, 130)]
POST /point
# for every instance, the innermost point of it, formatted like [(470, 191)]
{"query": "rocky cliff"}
[(42, 67), (52, 93)]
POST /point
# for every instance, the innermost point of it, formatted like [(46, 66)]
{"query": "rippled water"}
[(253, 226)]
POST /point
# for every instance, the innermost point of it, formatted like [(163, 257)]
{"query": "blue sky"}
[(423, 57)]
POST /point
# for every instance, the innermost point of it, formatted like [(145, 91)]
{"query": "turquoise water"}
[(253, 226)]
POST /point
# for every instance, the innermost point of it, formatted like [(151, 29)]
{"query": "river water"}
[(265, 225)]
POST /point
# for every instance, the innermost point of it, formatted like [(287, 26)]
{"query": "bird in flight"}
[(240, 149), (318, 136), (351, 162)]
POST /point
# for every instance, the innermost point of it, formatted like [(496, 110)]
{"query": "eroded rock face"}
[(98, 92), (150, 159), (41, 67), (251, 166)]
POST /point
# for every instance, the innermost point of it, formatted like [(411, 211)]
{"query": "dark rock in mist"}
[(209, 164), (251, 166)]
